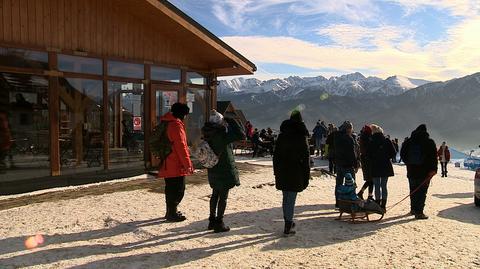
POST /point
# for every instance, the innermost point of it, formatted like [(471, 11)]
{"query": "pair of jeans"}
[(174, 192), (381, 192), (218, 203), (341, 171), (444, 168), (417, 199), (288, 205)]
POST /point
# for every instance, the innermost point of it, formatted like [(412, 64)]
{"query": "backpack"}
[(205, 155), (160, 145), (414, 154)]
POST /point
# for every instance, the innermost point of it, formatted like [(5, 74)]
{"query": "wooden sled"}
[(357, 214)]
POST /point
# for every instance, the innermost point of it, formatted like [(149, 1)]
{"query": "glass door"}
[(164, 99)]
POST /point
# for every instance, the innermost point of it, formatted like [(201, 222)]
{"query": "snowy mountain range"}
[(450, 109), (354, 84)]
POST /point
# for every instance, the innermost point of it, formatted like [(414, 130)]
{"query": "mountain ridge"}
[(450, 109), (349, 84)]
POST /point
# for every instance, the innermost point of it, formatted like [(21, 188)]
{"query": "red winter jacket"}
[(178, 163), (440, 153)]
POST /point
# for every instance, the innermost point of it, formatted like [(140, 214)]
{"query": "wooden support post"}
[(53, 109), (182, 94), (106, 117), (149, 110)]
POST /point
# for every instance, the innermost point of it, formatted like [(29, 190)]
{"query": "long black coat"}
[(429, 152), (345, 154), (291, 158), (380, 152)]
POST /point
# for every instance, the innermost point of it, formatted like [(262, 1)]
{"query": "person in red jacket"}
[(178, 163), (443, 154)]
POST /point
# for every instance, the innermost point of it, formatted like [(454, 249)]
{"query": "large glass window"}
[(166, 74), (127, 124), (77, 64), (23, 58), (198, 101), (164, 101), (24, 127), (81, 125), (196, 78), (123, 69)]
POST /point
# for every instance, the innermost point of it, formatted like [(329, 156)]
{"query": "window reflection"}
[(77, 64), (23, 58), (24, 127), (198, 101), (164, 101), (123, 69), (127, 124), (81, 124), (196, 78), (166, 74)]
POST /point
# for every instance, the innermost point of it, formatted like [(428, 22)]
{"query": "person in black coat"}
[(331, 148), (346, 158), (419, 153), (364, 141), (291, 165), (380, 153)]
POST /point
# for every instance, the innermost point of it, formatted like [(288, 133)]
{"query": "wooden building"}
[(82, 83), (226, 108)]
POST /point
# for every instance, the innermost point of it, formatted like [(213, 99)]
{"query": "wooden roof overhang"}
[(210, 50)]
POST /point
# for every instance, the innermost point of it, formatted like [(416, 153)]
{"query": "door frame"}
[(152, 110)]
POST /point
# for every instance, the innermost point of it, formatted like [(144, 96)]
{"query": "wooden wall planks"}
[(125, 29)]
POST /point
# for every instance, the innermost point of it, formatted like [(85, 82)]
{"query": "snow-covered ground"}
[(97, 227)]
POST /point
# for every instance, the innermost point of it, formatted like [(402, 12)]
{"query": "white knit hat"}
[(215, 117)]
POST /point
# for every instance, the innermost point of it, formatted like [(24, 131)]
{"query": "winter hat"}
[(180, 110), (367, 130), (376, 129), (215, 117), (296, 116), (346, 125), (421, 127), (349, 179)]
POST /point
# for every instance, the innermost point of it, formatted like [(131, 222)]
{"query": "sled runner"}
[(359, 211)]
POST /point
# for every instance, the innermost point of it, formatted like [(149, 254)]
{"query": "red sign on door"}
[(137, 123)]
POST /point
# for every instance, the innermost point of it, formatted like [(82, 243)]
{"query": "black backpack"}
[(160, 145)]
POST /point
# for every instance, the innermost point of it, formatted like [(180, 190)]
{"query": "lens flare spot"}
[(34, 241), (31, 242), (324, 96), (40, 239)]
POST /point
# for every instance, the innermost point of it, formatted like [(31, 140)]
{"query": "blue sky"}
[(430, 39)]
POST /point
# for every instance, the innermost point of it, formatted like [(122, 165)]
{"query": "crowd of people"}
[(371, 150)]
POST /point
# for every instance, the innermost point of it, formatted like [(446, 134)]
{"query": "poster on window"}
[(137, 123), (169, 98)]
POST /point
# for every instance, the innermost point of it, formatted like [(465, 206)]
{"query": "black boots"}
[(173, 215), (217, 225), (383, 205), (289, 228), (211, 223), (421, 216), (220, 227)]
